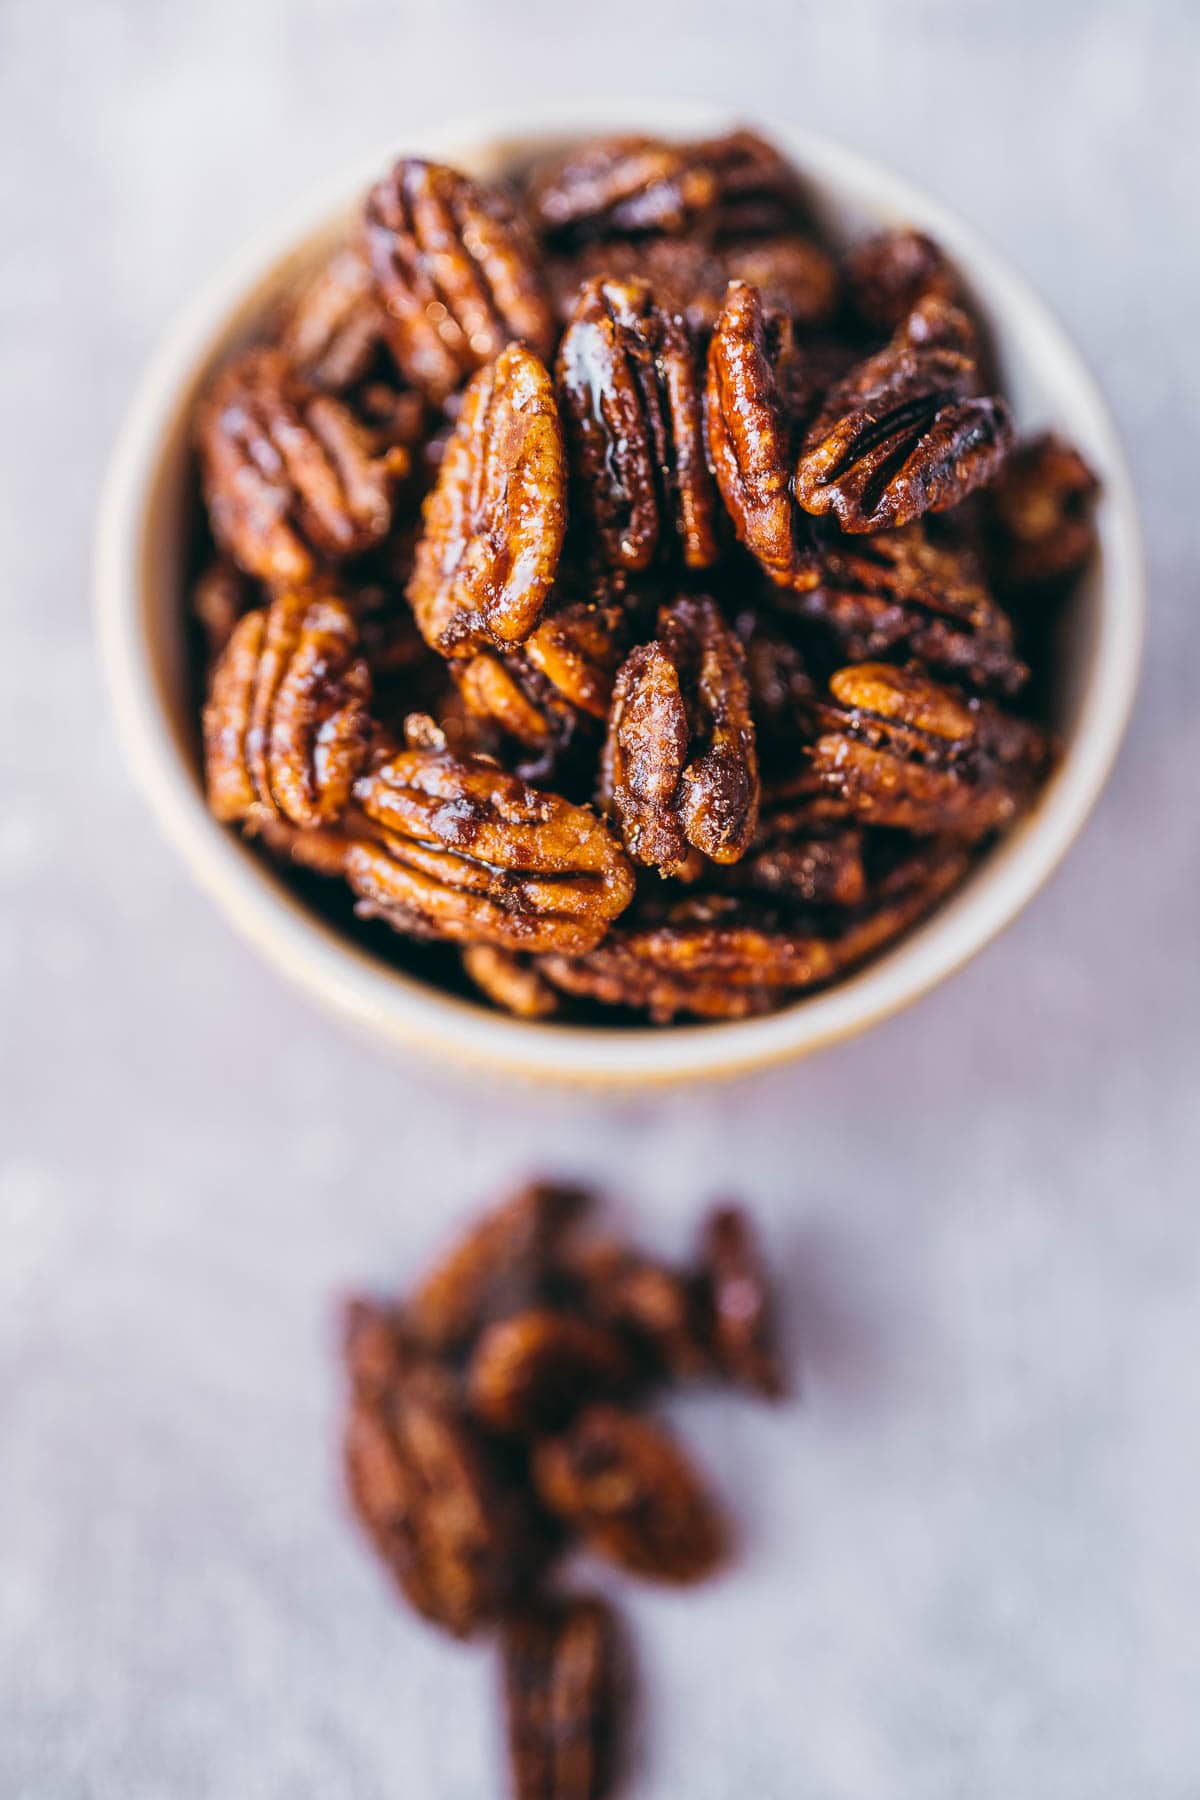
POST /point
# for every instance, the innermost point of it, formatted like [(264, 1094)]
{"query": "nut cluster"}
[(616, 584), (495, 1418)]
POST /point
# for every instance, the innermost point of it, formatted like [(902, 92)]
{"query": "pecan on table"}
[(511, 982), (457, 272), (887, 274), (905, 432), (743, 1325), (900, 749), (530, 1372), (286, 724), (680, 764), (1042, 530), (631, 404), (622, 1482), (561, 1699), (457, 848), (335, 325), (493, 524), (291, 477), (748, 432), (656, 1309)]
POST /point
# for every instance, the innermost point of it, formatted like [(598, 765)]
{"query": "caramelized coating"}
[(904, 434), (743, 1323), (887, 274), (656, 1309), (1043, 530), (286, 725), (902, 750), (798, 857), (561, 1698), (219, 598), (748, 435), (626, 1487), (455, 847), (457, 273), (335, 325), (512, 694), (531, 1372), (494, 522), (511, 982), (291, 477), (681, 767), (631, 404)]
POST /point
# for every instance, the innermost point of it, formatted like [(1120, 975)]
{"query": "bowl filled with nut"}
[(620, 604)]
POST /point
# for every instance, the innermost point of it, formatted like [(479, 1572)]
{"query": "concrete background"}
[(970, 1559)]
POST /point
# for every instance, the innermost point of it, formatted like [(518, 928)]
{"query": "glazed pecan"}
[(631, 404), (888, 273), (1041, 505), (291, 477), (219, 598), (898, 594), (622, 185), (681, 767), (494, 522), (748, 433), (530, 1372), (510, 981), (515, 696), (286, 724), (743, 1324), (900, 749), (495, 1268), (628, 1490), (455, 847), (335, 326), (561, 1698), (375, 1351), (797, 855), (457, 273), (430, 1501), (656, 1309), (904, 433)]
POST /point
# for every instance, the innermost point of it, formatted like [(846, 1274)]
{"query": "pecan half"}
[(511, 982), (494, 521), (1041, 506), (888, 273), (904, 433), (680, 763), (631, 404), (286, 724), (797, 856), (628, 1490), (375, 1351), (743, 1324), (748, 433), (561, 1697), (530, 1373), (656, 1309), (900, 749), (335, 326), (457, 272), (291, 477), (455, 847), (620, 185)]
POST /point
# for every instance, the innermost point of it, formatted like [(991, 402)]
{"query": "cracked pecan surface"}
[(681, 767), (493, 524), (561, 1698), (631, 402), (286, 725), (457, 273)]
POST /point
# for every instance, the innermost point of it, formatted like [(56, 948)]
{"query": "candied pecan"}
[(904, 433), (900, 749), (374, 1348), (431, 1502), (290, 475), (742, 1315), (680, 763), (792, 272), (1041, 506), (530, 1372), (897, 593), (628, 1490), (630, 397), (561, 1698), (888, 273), (511, 982), (457, 273), (801, 857), (335, 325), (219, 598), (494, 521), (618, 185), (495, 1267), (656, 1309), (455, 847), (577, 644), (286, 725), (783, 692), (748, 437), (515, 696)]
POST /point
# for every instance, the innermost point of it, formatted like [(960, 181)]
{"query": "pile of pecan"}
[(493, 1423), (612, 582)]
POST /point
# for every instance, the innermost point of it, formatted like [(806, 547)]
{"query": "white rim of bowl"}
[(407, 1011)]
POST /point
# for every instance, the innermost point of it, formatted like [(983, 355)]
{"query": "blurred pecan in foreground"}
[(494, 522), (286, 725), (656, 1310), (529, 1372), (457, 273), (560, 1696), (291, 476), (631, 402), (511, 981), (680, 764), (743, 1326), (1041, 509)]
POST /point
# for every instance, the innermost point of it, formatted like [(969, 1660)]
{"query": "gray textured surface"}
[(971, 1563)]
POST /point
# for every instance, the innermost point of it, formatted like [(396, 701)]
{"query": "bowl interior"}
[(144, 568)]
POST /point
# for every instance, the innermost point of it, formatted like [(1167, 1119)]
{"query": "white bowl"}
[(140, 566)]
